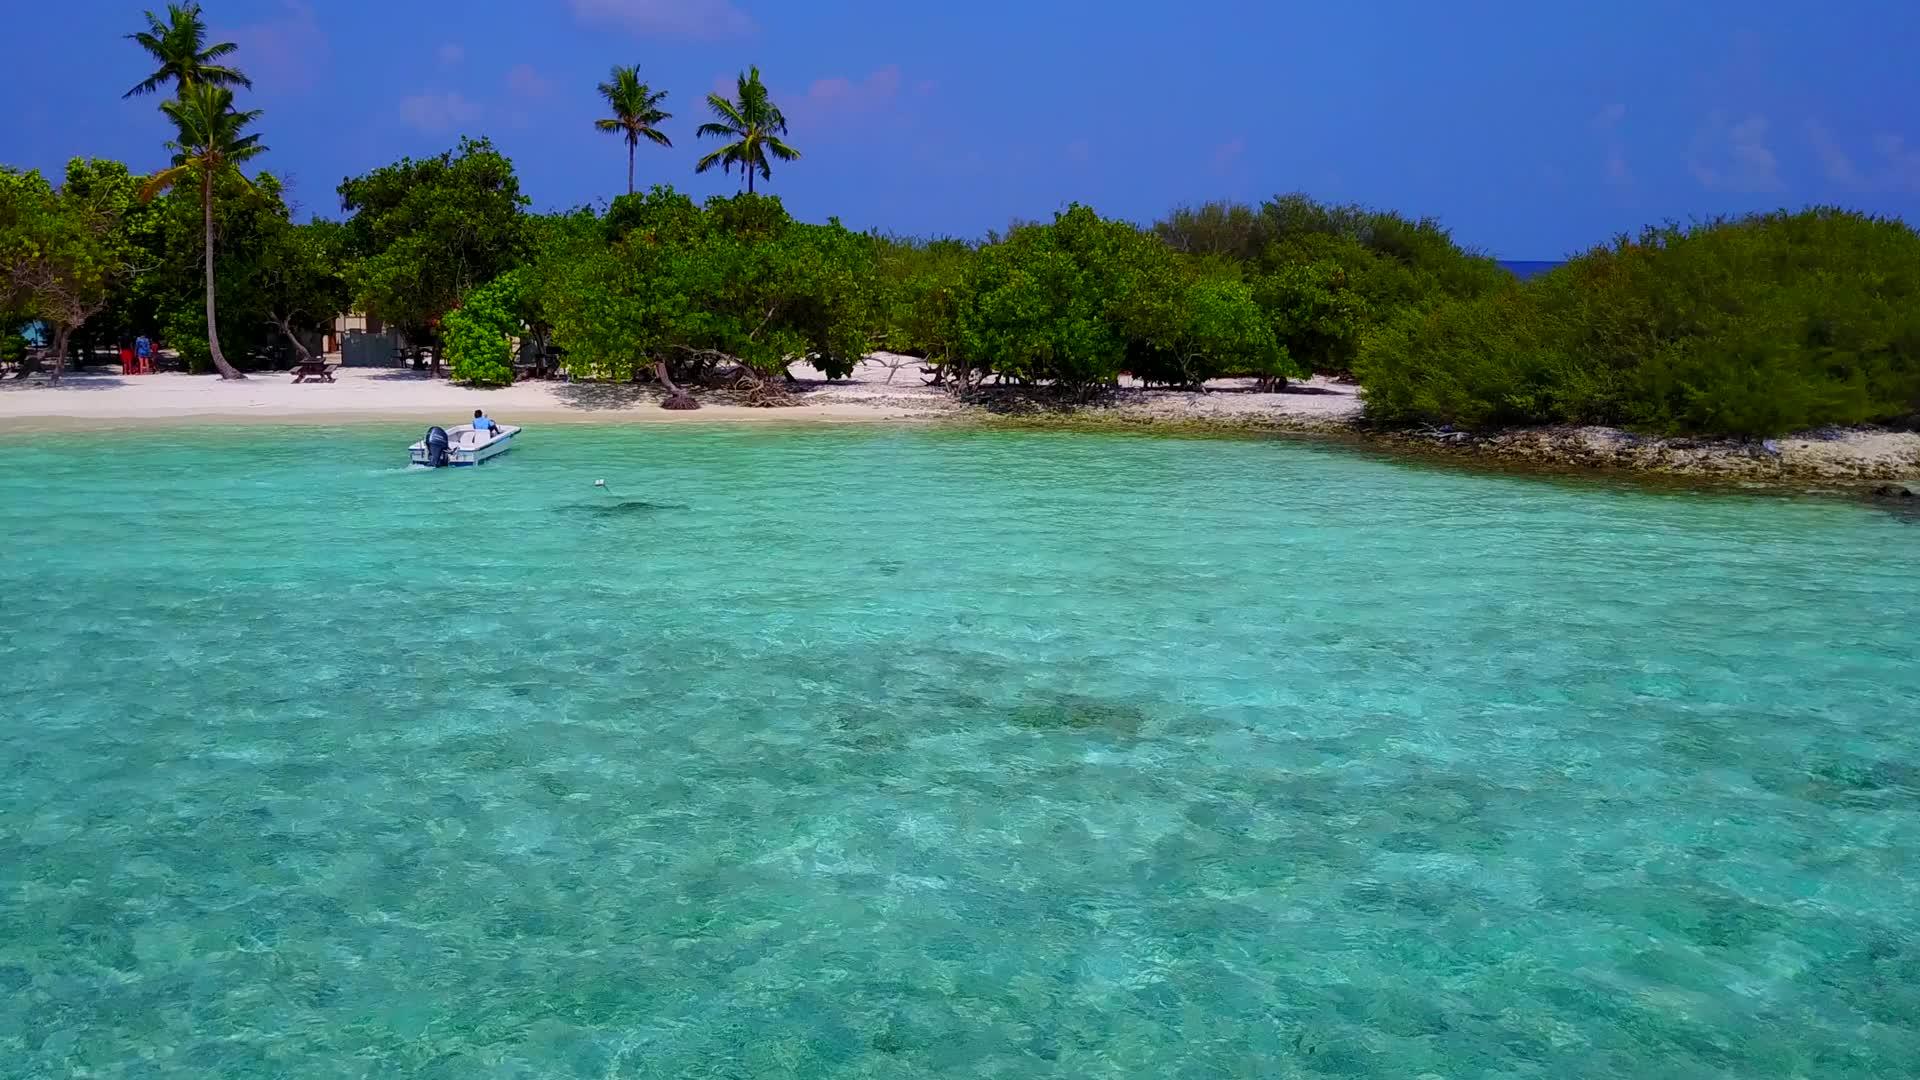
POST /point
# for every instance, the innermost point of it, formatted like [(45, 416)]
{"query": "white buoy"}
[(599, 483)]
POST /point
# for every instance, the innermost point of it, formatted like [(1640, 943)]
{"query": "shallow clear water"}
[(873, 753)]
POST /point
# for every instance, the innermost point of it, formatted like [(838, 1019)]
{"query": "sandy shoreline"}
[(103, 401), (380, 395), (377, 395)]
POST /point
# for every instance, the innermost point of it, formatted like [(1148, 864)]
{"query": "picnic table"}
[(313, 367)]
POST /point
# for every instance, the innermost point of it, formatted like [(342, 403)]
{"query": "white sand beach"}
[(364, 395), (376, 394)]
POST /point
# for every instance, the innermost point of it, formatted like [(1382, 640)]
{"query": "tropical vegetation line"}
[(1751, 326)]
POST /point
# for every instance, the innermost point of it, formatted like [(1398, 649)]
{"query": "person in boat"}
[(483, 422)]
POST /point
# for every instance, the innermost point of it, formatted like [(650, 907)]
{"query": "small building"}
[(362, 340)]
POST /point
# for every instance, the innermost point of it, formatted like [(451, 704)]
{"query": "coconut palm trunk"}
[(226, 370), (209, 145)]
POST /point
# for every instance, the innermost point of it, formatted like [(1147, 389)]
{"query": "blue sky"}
[(1531, 129)]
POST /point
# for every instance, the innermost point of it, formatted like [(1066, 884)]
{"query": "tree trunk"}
[(227, 371), (299, 347), (749, 179), (676, 397), (630, 147), (60, 336), (760, 391)]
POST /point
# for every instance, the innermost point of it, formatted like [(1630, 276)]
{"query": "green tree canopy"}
[(426, 233), (917, 290), (686, 292), (61, 252), (167, 297), (1327, 275), (1754, 326), (301, 276), (1064, 303)]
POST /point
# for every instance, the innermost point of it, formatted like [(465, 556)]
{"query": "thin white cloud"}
[(876, 89), (1734, 156), (524, 82), (1888, 163), (1899, 163), (436, 112), (1835, 162), (841, 104), (289, 52), (1608, 122), (1228, 154), (828, 98), (452, 53), (667, 18)]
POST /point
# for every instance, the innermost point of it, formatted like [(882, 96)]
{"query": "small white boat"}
[(466, 446)]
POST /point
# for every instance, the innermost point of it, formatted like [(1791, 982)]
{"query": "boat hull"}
[(464, 449)]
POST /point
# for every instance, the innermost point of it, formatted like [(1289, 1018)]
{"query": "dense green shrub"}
[(478, 334), (1076, 302), (662, 284), (1325, 275), (425, 233), (1754, 326), (918, 292), (1042, 305)]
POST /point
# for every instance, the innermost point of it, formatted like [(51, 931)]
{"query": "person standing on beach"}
[(143, 353)]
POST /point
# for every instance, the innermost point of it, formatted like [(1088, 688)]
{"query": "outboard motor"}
[(436, 447)]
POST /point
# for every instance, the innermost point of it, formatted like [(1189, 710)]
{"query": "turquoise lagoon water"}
[(877, 753)]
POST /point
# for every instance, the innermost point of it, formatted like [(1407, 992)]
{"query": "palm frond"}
[(179, 46), (222, 76), (657, 136), (722, 156), (152, 83), (782, 150), (162, 180), (718, 131), (608, 125), (727, 112)]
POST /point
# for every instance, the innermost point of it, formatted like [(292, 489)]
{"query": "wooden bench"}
[(319, 369)]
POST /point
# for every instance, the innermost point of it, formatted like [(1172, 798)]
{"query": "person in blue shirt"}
[(482, 422), (143, 351)]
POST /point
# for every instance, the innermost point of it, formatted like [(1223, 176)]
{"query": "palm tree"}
[(179, 44), (207, 146), (755, 123), (636, 112)]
